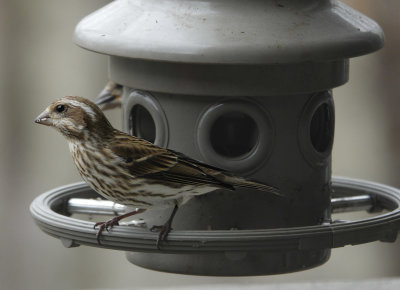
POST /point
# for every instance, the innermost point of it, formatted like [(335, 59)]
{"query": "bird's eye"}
[(60, 108)]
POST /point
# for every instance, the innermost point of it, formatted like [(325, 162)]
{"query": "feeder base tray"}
[(230, 252)]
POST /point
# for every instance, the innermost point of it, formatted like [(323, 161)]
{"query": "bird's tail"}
[(241, 182), (227, 179), (252, 184)]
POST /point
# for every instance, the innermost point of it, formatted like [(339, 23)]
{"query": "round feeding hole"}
[(234, 134), (321, 128), (142, 124)]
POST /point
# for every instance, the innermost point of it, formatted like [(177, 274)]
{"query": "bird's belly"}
[(145, 193), (123, 188)]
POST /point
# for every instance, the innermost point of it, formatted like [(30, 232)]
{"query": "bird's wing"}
[(143, 159), (189, 176), (228, 179), (200, 165)]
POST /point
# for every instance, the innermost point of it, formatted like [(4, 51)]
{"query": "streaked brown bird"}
[(110, 97), (130, 170)]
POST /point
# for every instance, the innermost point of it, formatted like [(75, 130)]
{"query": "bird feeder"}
[(245, 86)]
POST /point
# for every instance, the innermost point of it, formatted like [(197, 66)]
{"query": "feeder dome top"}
[(229, 31)]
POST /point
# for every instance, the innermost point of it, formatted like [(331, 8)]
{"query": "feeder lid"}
[(229, 31)]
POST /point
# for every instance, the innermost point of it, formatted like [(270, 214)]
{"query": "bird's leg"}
[(165, 228), (113, 222)]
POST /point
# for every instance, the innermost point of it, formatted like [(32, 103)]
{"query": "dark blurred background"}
[(39, 63)]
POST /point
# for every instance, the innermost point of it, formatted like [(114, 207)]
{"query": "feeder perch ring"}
[(50, 211)]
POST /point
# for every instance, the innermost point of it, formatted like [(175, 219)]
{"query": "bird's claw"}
[(163, 232), (105, 226)]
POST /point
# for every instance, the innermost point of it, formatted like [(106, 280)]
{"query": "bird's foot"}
[(106, 226), (164, 229), (163, 232), (113, 222)]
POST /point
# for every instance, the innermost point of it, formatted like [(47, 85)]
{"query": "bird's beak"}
[(44, 119)]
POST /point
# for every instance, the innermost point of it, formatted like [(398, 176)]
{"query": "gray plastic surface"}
[(156, 112), (228, 79), (229, 31), (48, 211), (279, 155), (229, 47), (191, 64), (264, 131)]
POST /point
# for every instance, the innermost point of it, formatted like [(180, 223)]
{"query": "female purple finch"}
[(130, 170)]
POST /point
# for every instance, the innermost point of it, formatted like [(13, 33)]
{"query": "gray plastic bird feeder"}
[(245, 86)]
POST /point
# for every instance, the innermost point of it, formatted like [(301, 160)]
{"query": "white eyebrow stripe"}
[(85, 107)]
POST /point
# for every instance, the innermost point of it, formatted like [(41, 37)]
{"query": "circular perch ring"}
[(46, 210)]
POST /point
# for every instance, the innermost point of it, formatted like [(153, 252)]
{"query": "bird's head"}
[(75, 118)]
